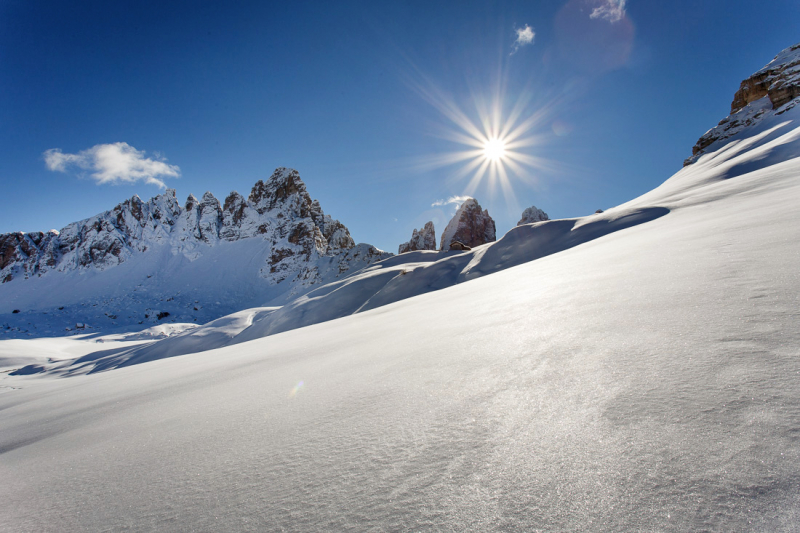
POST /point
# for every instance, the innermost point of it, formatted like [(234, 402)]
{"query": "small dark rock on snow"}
[(456, 245)]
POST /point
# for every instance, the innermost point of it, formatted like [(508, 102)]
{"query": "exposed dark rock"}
[(424, 239), (470, 226), (772, 90)]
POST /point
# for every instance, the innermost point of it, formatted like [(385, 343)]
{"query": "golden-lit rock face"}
[(780, 80), (772, 90)]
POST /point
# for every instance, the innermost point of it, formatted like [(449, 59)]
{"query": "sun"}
[(494, 149), (498, 139)]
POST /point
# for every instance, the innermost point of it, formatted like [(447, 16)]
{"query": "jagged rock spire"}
[(424, 239), (471, 226)]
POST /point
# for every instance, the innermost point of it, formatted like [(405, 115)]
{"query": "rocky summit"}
[(771, 91), (423, 239), (471, 226), (532, 214)]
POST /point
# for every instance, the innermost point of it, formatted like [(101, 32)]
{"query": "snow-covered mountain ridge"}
[(278, 238), (279, 211)]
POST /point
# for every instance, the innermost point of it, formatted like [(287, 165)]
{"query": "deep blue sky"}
[(230, 92)]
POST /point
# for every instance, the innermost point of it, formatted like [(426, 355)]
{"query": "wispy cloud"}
[(610, 10), (457, 200), (114, 163), (525, 36)]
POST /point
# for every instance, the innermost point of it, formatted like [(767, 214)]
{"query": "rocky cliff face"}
[(531, 215), (772, 90), (279, 213), (423, 239), (470, 225)]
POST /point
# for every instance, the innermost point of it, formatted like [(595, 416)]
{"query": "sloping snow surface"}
[(645, 379)]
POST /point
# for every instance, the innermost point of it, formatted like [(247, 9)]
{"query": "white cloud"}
[(457, 200), (525, 36), (114, 163), (610, 10)]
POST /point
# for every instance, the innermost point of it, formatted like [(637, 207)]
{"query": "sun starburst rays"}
[(497, 138), (495, 153)]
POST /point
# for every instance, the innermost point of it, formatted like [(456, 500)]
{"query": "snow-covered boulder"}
[(423, 239), (531, 215), (471, 226)]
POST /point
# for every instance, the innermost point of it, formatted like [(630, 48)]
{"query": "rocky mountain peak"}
[(283, 186), (233, 201), (772, 90), (191, 202), (423, 239), (532, 214), (471, 225), (279, 211)]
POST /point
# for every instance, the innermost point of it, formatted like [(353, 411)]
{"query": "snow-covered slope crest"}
[(391, 280), (771, 91)]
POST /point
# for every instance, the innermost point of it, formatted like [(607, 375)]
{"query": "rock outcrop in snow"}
[(531, 215), (470, 225), (423, 239), (772, 90), (279, 212)]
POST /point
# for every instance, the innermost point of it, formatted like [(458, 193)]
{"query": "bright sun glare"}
[(494, 149), (496, 141)]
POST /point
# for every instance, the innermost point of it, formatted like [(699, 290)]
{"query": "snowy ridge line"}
[(385, 282)]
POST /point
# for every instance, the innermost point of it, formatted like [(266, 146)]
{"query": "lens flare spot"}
[(296, 389), (562, 128)]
